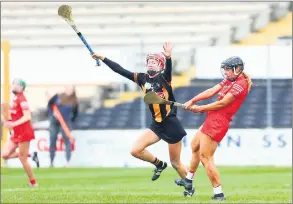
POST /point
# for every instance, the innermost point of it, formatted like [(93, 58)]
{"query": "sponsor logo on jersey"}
[(161, 94), (148, 85)]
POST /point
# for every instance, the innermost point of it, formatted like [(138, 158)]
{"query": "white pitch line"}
[(19, 189)]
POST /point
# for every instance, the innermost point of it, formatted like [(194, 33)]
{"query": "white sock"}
[(190, 175), (218, 190)]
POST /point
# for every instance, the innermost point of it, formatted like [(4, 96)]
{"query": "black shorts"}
[(170, 129)]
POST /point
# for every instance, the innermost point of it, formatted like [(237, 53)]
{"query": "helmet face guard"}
[(154, 70), (232, 63)]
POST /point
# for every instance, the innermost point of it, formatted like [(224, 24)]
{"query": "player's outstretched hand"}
[(95, 56), (188, 104), (195, 108), (167, 50)]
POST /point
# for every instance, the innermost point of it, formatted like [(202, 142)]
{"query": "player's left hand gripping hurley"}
[(65, 12)]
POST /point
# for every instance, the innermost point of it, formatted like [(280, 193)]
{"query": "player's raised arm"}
[(115, 67), (167, 53)]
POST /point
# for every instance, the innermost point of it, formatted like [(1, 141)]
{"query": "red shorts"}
[(22, 137), (215, 126)]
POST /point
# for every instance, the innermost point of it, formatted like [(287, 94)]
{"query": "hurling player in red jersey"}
[(21, 130), (232, 92)]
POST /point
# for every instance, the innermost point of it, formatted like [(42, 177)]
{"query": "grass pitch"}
[(134, 185)]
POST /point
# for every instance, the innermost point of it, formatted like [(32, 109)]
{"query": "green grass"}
[(114, 185)]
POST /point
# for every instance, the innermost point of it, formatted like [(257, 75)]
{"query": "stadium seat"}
[(222, 22), (149, 10), (252, 114), (120, 22), (126, 31), (110, 41)]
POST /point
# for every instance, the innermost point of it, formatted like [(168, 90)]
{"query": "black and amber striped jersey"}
[(163, 88), (161, 84)]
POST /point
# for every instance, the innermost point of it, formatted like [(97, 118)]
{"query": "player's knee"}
[(22, 157), (135, 152), (194, 148), (209, 168), (204, 158), (4, 155), (175, 163)]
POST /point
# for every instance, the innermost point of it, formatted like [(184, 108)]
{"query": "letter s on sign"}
[(282, 142), (267, 141)]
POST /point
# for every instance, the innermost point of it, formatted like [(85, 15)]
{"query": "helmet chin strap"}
[(235, 73), (152, 73)]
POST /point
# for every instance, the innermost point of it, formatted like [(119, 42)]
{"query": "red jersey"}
[(18, 105), (239, 89)]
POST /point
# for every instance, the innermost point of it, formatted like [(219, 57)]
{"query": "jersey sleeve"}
[(119, 69), (168, 71), (237, 89), (138, 78), (223, 83), (23, 103)]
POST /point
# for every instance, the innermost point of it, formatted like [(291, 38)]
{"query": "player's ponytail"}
[(249, 81)]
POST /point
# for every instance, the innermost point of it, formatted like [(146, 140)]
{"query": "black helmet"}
[(233, 63)]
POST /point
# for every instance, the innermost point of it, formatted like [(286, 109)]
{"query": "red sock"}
[(191, 171), (33, 182)]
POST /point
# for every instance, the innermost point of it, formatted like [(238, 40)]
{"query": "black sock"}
[(158, 163)]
